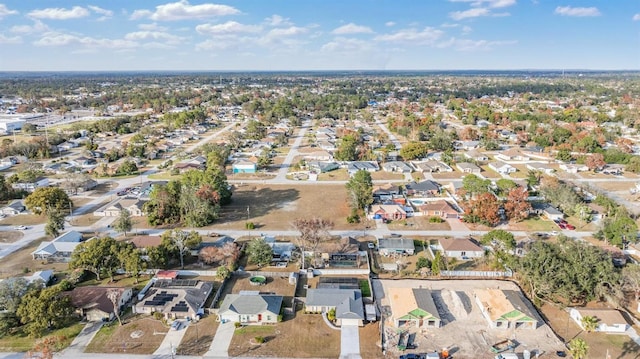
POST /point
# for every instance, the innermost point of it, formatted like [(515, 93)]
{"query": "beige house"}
[(413, 307), (93, 304), (505, 309)]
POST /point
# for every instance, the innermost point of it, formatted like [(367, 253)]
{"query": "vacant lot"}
[(306, 336), (418, 223), (23, 219), (10, 236), (465, 331), (370, 346), (147, 332), (275, 207)]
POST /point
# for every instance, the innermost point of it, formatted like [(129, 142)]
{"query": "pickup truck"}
[(503, 346)]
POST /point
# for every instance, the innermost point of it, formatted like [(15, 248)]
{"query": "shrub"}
[(237, 324), (249, 225), (66, 285), (353, 218), (259, 339), (157, 315), (435, 220)]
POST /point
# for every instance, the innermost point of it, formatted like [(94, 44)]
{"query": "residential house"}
[(466, 167), (439, 208), (66, 146), (612, 169), (431, 166), (396, 166), (281, 251), (92, 303), (426, 188), (133, 205), (175, 298), (541, 167), (322, 166), (546, 210), (250, 308), (319, 156), (573, 168), (391, 246), (31, 186), (218, 243), (13, 208), (460, 248), (143, 243), (608, 320), (59, 249), (389, 212), (466, 145), (346, 302), (385, 193), (513, 154), (183, 167), (355, 166), (476, 156), (413, 307), (244, 166), (502, 168), (43, 277), (505, 309)]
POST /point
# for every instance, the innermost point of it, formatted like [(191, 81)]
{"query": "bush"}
[(249, 225), (157, 315), (259, 339), (435, 220), (353, 218), (66, 285), (237, 325)]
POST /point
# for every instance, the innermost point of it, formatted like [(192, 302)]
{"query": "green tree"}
[(578, 348), (589, 323), (127, 167), (44, 309), (44, 199), (131, 261), (55, 222), (11, 292), (505, 238), (181, 242), (564, 155), (413, 150), (475, 185), (360, 190), (422, 262), (505, 185), (259, 252), (347, 150), (123, 223), (437, 263), (98, 256)]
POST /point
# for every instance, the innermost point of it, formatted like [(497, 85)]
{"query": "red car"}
[(562, 226), (570, 226)]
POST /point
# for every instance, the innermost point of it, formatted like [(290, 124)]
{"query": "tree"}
[(413, 150), (55, 222), (131, 260), (29, 128), (181, 242), (46, 348), (163, 206), (123, 223), (47, 198), (506, 238), (360, 190), (533, 178), (127, 167), (505, 185), (564, 155), (44, 309), (437, 263), (347, 150), (517, 206), (99, 256), (114, 296), (578, 348), (483, 208), (589, 323), (312, 232), (595, 161), (475, 185), (226, 255), (259, 252), (11, 292)]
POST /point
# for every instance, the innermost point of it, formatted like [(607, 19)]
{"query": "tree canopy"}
[(43, 199)]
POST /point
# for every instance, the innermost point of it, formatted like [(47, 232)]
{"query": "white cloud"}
[(447, 25), (489, 3), (152, 27), (343, 44), (389, 23), (577, 11), (466, 29), (636, 17), (168, 39), (277, 20), (474, 12), (427, 36), (352, 28), (101, 11), (478, 45), (182, 10), (4, 11), (61, 39), (60, 13), (10, 40), (227, 28), (288, 31), (38, 26)]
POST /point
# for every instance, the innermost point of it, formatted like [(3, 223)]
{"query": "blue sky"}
[(44, 35)]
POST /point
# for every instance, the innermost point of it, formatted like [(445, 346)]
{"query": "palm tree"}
[(578, 348), (589, 323)]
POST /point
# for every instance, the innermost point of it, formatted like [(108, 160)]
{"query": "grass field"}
[(113, 338), (22, 343), (23, 219), (10, 236), (197, 339)]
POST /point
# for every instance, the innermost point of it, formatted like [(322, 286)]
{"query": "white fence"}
[(476, 274)]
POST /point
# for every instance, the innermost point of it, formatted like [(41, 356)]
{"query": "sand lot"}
[(465, 332)]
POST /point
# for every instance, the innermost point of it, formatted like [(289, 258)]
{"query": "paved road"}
[(293, 152)]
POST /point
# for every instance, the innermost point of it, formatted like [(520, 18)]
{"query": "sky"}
[(298, 35)]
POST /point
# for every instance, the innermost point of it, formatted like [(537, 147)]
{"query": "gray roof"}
[(425, 301), (395, 243), (427, 185), (251, 304), (348, 302), (515, 298)]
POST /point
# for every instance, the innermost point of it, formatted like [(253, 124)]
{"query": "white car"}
[(20, 228)]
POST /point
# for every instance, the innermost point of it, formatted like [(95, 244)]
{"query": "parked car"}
[(570, 226), (176, 325), (20, 228), (562, 226)]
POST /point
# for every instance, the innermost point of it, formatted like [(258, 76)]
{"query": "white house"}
[(573, 168), (244, 166), (250, 308), (460, 248), (59, 249), (608, 320), (31, 186), (502, 168)]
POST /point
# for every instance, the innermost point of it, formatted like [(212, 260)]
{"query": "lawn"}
[(10, 236), (278, 286), (21, 261), (306, 336), (147, 332), (335, 175), (418, 223), (370, 341), (448, 175), (198, 337), (22, 343), (383, 175), (274, 207), (24, 220), (534, 224)]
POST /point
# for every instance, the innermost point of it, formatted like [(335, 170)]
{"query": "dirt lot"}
[(148, 334), (465, 332), (10, 236), (370, 346), (275, 207), (23, 219), (306, 336), (198, 337)]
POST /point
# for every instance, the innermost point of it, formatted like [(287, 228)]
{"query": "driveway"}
[(83, 339), (171, 341), (349, 342), (221, 341)]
